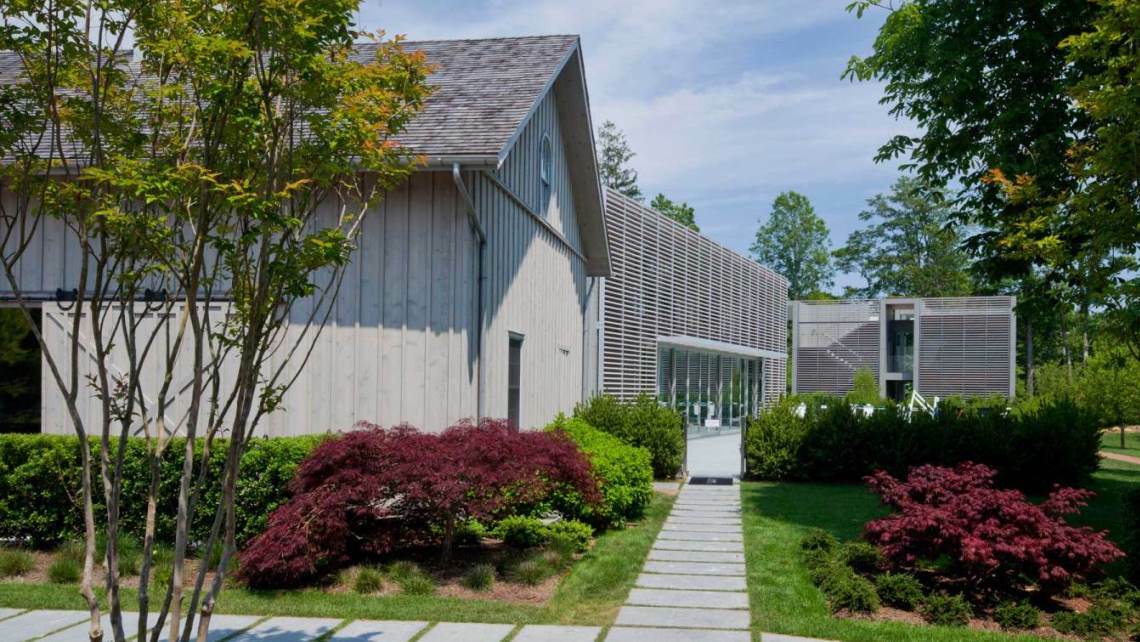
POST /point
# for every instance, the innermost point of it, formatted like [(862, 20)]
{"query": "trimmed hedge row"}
[(40, 486), (642, 422), (1033, 448), (623, 472)]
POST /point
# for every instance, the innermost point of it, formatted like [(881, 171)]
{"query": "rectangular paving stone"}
[(288, 629), (688, 545), (646, 634), (692, 582), (378, 631), (693, 568), (687, 599), (702, 528), (679, 506), (696, 556), (709, 521), (6, 613), (700, 537), (707, 511), (34, 624), (467, 632), (682, 618), (221, 626), (553, 633), (82, 632)]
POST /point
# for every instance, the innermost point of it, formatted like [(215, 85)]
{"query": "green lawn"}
[(1110, 440), (591, 593), (782, 596)]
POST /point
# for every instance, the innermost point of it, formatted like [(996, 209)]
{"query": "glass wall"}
[(713, 391)]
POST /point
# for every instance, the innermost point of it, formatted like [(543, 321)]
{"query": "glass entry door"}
[(714, 392)]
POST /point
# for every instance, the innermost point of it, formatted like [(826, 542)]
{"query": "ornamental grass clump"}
[(372, 491), (988, 540), (15, 562)]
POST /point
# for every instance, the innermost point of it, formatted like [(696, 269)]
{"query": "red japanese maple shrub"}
[(373, 490), (994, 539)]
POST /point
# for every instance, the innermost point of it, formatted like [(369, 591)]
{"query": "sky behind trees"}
[(726, 104)]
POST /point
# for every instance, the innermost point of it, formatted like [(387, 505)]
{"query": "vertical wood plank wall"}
[(399, 344)]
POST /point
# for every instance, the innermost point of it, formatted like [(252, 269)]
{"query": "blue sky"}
[(726, 104)]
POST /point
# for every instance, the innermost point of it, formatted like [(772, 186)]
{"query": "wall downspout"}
[(481, 277)]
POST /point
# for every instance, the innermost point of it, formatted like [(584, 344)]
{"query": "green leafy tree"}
[(683, 213), (1108, 159), (864, 388), (987, 85), (794, 242), (614, 155), (910, 247), (203, 165)]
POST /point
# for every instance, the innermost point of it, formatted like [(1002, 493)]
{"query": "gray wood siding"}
[(537, 287), (399, 343), (398, 346)]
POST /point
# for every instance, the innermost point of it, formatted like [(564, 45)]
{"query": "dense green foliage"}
[(864, 388), (946, 610), (908, 247), (683, 213), (899, 590), (1131, 535), (1106, 385), (614, 155), (520, 531), (827, 564), (642, 422), (40, 478), (794, 242), (1017, 615), (624, 473), (20, 381), (1045, 443)]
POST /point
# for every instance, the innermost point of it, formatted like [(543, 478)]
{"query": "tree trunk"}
[(1029, 357)]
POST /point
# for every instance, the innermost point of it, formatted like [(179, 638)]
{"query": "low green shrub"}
[(853, 593), (470, 533), (899, 590), (845, 590), (480, 577), (411, 578), (1034, 447), (862, 557), (64, 570), (624, 474), (40, 483), (519, 531), (571, 534), (368, 580), (15, 562), (1131, 534), (818, 539), (642, 422), (946, 610), (1017, 615), (772, 445), (1098, 622), (532, 571)]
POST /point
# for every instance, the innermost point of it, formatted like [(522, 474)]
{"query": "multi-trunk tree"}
[(212, 182)]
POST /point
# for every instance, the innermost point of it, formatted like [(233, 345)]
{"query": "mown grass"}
[(782, 597), (1110, 440), (590, 594)]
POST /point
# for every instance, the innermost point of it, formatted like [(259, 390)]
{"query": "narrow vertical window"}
[(546, 171), (514, 379)]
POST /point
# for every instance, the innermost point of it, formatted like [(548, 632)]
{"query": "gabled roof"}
[(485, 92)]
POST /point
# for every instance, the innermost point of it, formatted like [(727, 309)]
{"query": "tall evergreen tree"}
[(910, 247), (614, 155), (683, 213), (794, 242)]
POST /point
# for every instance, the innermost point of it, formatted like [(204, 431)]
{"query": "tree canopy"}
[(910, 247), (614, 154), (794, 242), (683, 213)]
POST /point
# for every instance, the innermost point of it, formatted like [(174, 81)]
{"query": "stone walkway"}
[(692, 588), (1120, 457)]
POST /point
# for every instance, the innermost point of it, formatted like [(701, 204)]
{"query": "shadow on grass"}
[(841, 509)]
